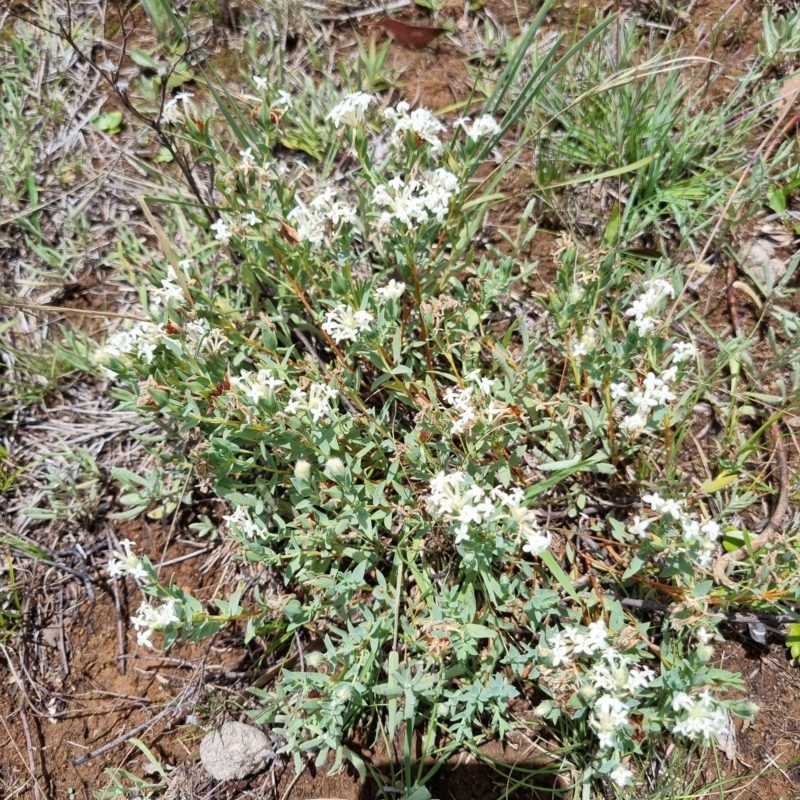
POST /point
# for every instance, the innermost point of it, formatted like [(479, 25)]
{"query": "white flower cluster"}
[(586, 344), (222, 231), (571, 641), (176, 108), (699, 538), (483, 126), (351, 110), (240, 522), (170, 289), (456, 498), (612, 683), (127, 563), (683, 351), (140, 340), (198, 331), (151, 618), (467, 404), (392, 291), (416, 201), (655, 391), (316, 400), (656, 290), (257, 385), (420, 121), (323, 214), (704, 716), (344, 323)]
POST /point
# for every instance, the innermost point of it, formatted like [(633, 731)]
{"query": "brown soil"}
[(77, 697)]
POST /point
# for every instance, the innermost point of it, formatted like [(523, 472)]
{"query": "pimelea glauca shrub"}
[(414, 478)]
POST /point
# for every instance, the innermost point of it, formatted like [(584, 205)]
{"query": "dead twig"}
[(738, 617), (120, 622), (29, 744), (170, 709)]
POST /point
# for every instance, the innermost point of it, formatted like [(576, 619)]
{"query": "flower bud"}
[(588, 692), (314, 660), (335, 466), (302, 470), (705, 651)]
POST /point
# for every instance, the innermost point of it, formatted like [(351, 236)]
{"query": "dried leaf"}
[(414, 36)]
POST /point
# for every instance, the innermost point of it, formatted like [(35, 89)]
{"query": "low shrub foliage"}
[(455, 489)]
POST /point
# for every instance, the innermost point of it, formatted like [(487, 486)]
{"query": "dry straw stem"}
[(10, 302)]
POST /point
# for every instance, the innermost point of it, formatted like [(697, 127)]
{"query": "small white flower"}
[(638, 527), (127, 563), (683, 351), (537, 541), (351, 110), (619, 391), (669, 375), (261, 83), (392, 291), (344, 323), (639, 679), (170, 113), (420, 121), (691, 530), (621, 776), (711, 529), (122, 86), (484, 384), (672, 507), (222, 233), (250, 219), (704, 636), (241, 523), (586, 344), (283, 101), (483, 126), (655, 501), (316, 401)]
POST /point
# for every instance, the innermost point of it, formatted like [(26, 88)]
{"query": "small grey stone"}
[(234, 751)]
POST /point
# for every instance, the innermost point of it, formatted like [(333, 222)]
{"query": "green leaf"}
[(776, 199), (793, 640), (158, 13), (479, 631), (720, 482), (149, 756), (637, 562), (548, 559), (110, 122), (163, 156), (130, 514), (734, 538), (143, 59)]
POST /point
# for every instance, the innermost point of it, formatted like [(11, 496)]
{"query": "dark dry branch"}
[(120, 622), (739, 617), (170, 709)]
